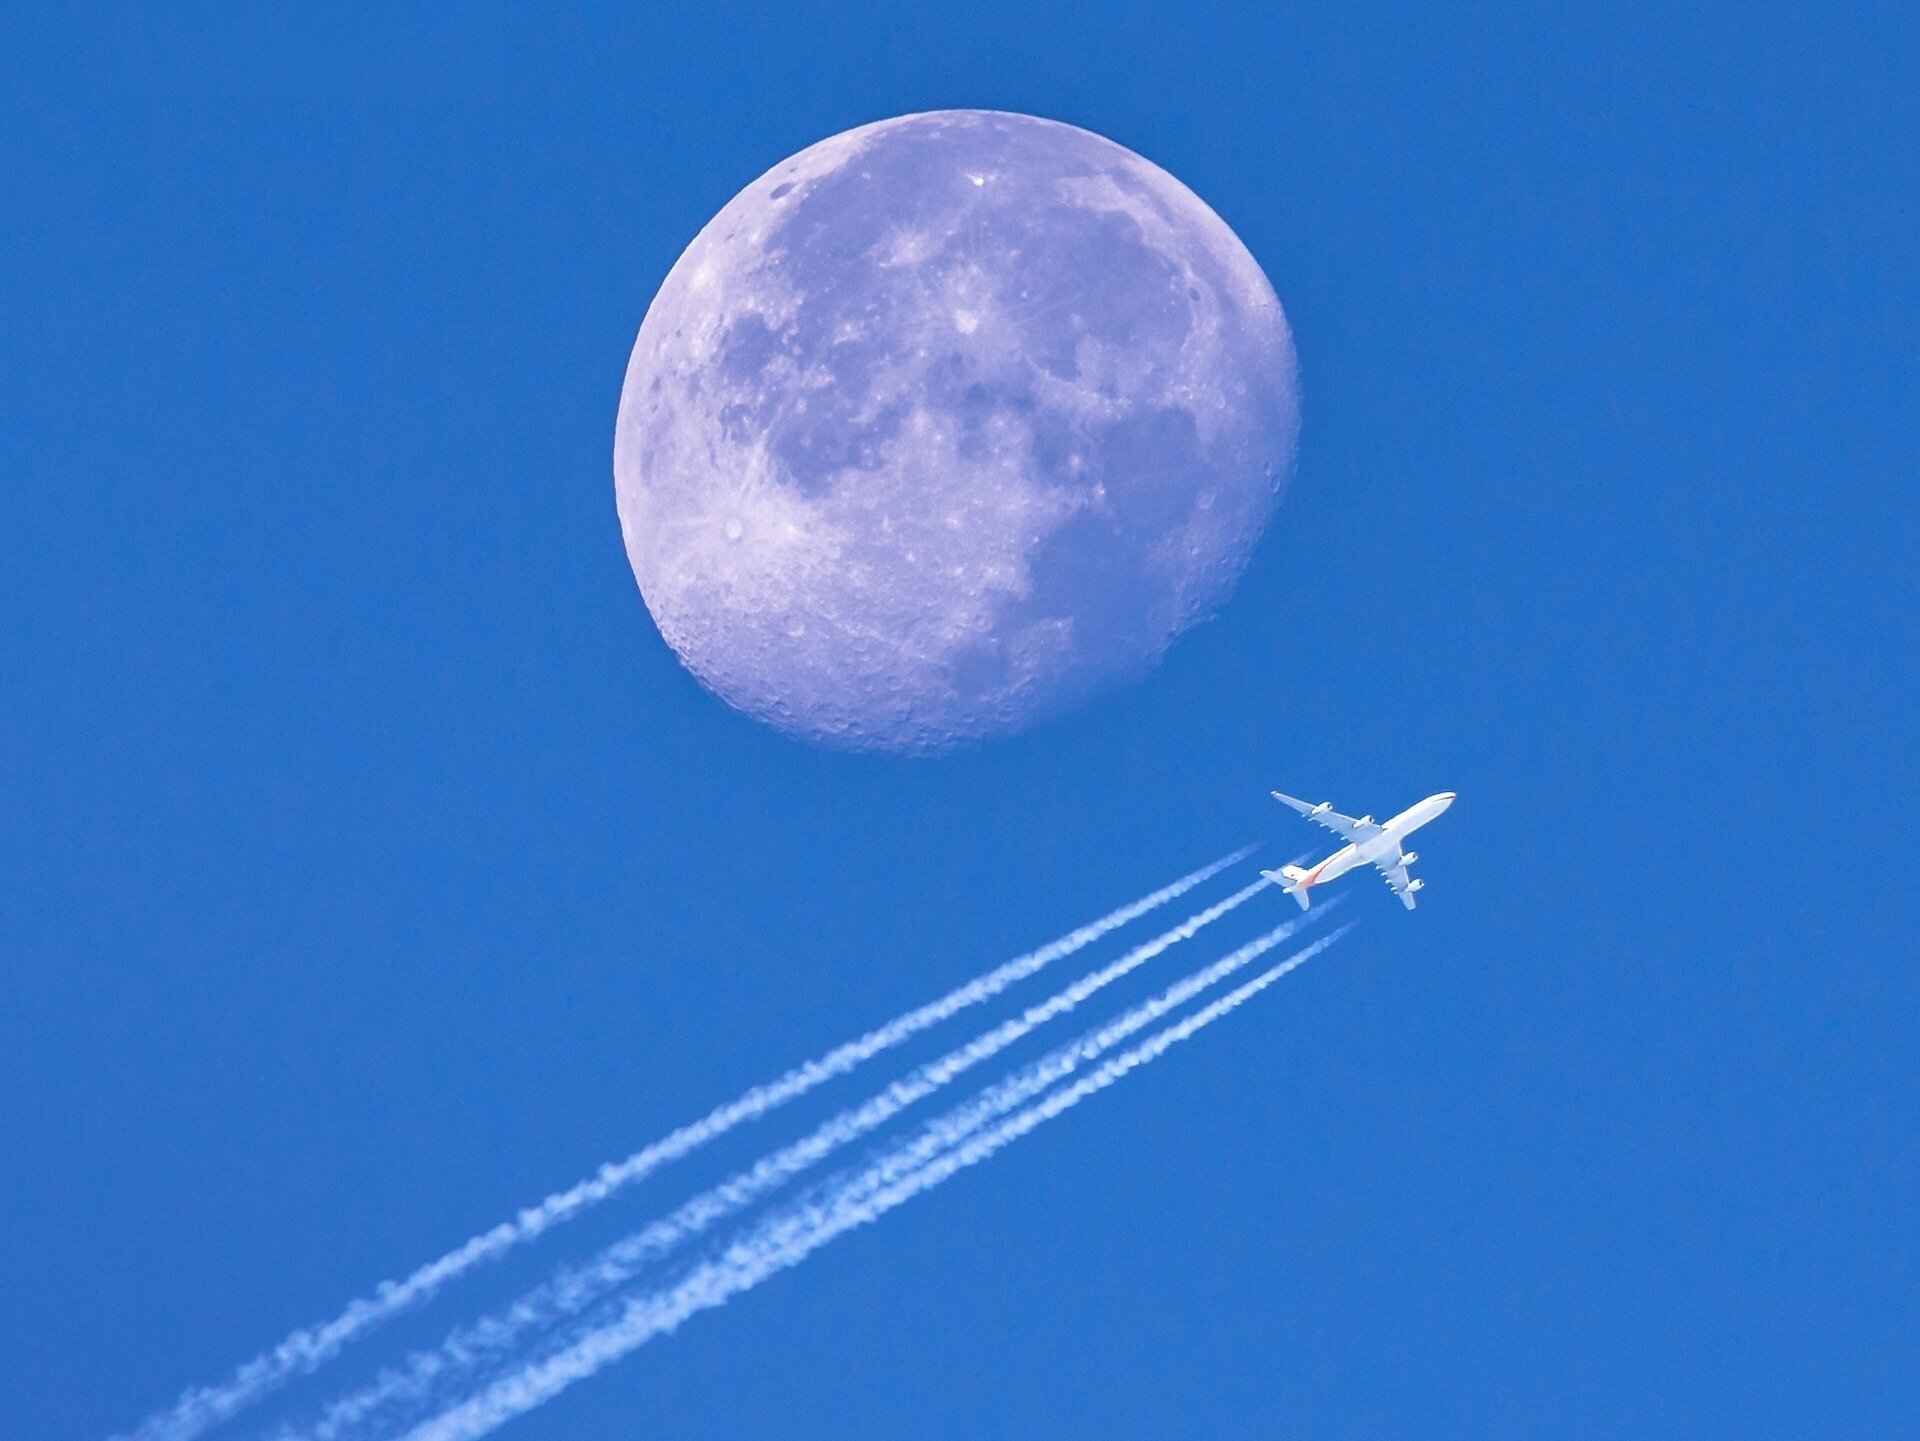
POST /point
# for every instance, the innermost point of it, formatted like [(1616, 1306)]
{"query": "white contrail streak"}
[(945, 1147), (573, 1290), (306, 1350)]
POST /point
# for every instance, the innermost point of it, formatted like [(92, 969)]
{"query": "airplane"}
[(1367, 843)]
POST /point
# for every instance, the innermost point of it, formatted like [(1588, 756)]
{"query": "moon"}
[(944, 425)]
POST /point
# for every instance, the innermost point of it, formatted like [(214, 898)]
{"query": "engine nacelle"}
[(1366, 820), (1416, 885), (1321, 809), (1409, 858)]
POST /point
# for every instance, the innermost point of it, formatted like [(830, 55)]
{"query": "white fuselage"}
[(1389, 842)]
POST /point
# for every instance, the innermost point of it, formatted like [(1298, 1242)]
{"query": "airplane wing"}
[(1345, 827), (1394, 870)]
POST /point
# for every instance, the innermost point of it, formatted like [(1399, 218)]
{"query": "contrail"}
[(306, 1350), (787, 1238), (570, 1293)]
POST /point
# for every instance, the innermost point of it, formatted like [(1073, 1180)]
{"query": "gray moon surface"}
[(946, 423)]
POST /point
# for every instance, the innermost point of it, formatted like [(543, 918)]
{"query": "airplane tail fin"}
[(1290, 879)]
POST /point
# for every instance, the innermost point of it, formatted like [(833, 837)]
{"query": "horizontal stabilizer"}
[(1290, 879)]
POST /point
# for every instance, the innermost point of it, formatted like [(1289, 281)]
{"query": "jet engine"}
[(1409, 858), (1321, 809), (1416, 885)]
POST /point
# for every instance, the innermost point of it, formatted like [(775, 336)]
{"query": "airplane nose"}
[(1446, 796)]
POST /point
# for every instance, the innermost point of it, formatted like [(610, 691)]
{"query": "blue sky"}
[(369, 867)]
